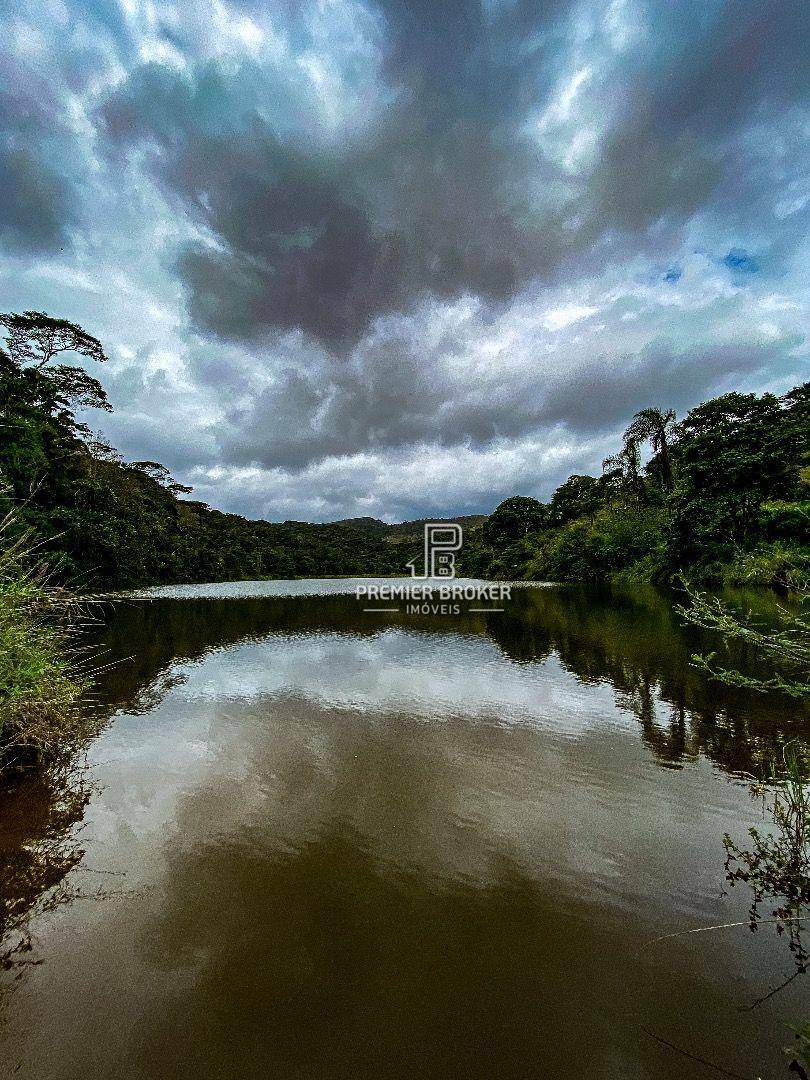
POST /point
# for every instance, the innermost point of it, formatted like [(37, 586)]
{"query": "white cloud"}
[(451, 402), (560, 318)]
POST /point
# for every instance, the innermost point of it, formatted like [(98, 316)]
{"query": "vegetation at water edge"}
[(40, 680), (721, 494), (774, 863)]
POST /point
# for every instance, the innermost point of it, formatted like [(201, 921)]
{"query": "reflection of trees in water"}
[(40, 815), (142, 639), (632, 639), (629, 638), (669, 739)]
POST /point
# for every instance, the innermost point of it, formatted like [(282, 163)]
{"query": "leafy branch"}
[(786, 648)]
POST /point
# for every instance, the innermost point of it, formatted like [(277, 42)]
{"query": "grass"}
[(40, 678)]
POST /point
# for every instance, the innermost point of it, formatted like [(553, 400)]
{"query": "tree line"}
[(722, 493), (105, 522), (724, 496)]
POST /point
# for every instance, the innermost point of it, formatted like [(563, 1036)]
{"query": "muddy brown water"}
[(315, 842)]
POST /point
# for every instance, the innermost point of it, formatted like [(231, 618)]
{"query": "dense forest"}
[(722, 493), (724, 497), (112, 523)]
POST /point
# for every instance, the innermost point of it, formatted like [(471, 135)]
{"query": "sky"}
[(407, 258)]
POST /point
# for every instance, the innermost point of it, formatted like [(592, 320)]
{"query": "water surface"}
[(327, 843)]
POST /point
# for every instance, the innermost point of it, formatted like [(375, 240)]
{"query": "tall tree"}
[(733, 454), (627, 462), (161, 475), (514, 519), (655, 426), (580, 496), (35, 338)]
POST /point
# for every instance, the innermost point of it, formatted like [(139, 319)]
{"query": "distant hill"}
[(407, 529), (417, 528), (362, 524)]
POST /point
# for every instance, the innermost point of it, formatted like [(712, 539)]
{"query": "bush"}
[(620, 539), (782, 520), (779, 565)]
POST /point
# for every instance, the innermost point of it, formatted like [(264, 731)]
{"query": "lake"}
[(312, 841)]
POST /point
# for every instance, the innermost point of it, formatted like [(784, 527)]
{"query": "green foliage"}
[(733, 455), (657, 427), (723, 496), (35, 338), (780, 565), (581, 496), (776, 865), (39, 685), (514, 519), (113, 524), (608, 543), (625, 465), (784, 648)]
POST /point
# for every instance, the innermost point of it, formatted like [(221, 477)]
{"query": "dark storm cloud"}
[(296, 246), (41, 165), (709, 70), (606, 392), (463, 62), (382, 400), (37, 205), (312, 263), (446, 194), (432, 200), (346, 232), (37, 198)]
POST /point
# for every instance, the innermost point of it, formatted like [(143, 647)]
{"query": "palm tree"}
[(628, 463), (654, 426)]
